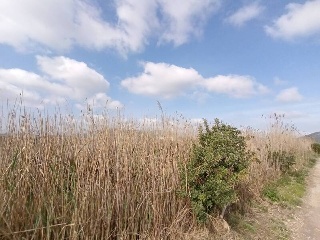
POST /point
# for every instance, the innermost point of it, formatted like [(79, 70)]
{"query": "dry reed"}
[(279, 137), (102, 177)]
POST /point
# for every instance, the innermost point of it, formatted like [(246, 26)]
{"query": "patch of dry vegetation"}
[(105, 177), (279, 149)]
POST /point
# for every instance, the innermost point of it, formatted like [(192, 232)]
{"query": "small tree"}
[(218, 161)]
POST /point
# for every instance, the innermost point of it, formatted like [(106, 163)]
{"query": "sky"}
[(239, 61)]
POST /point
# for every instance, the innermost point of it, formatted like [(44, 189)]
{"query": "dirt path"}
[(306, 225)]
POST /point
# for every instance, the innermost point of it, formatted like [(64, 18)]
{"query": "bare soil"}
[(305, 224)]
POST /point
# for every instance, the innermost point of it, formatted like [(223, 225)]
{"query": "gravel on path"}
[(306, 225)]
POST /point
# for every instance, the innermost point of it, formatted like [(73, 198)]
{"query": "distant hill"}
[(315, 136)]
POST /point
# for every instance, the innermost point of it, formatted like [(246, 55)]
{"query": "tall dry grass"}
[(102, 177), (279, 137)]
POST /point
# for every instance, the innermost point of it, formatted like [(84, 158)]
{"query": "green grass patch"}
[(288, 190)]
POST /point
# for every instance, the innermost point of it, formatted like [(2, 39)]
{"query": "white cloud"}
[(161, 79), (50, 23), (100, 100), (245, 14), (88, 29), (62, 24), (234, 86), (300, 20), (58, 25), (167, 81), (81, 80), (63, 79), (289, 95), (137, 20), (9, 91), (279, 82), (184, 18), (33, 88)]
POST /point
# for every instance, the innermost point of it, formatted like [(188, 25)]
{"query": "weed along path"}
[(307, 223)]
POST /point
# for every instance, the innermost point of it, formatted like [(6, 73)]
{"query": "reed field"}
[(107, 177)]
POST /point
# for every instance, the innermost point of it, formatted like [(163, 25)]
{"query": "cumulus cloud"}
[(81, 80), (136, 20), (289, 95), (234, 86), (100, 100), (32, 88), (44, 19), (183, 18), (58, 25), (245, 14), (63, 79), (161, 79), (300, 20), (9, 90), (61, 24), (167, 81)]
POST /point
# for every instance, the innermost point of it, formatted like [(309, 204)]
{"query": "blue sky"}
[(235, 60)]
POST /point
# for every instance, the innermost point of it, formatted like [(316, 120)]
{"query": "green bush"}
[(316, 147), (218, 161)]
